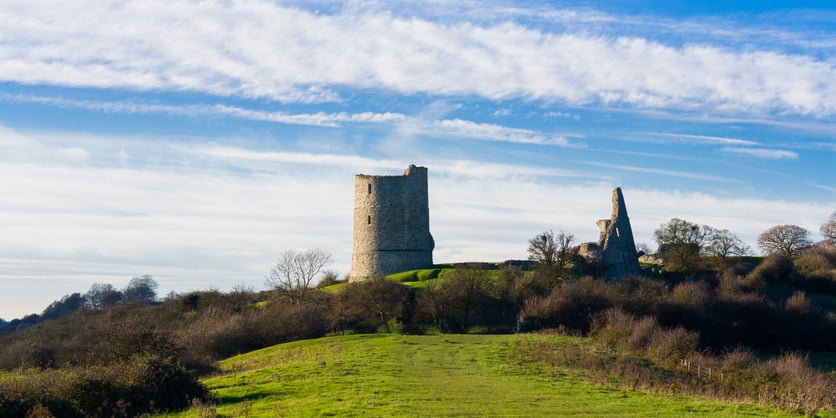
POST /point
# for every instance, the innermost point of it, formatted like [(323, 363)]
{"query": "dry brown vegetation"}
[(669, 333)]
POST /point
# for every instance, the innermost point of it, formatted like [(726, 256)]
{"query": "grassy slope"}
[(439, 375)]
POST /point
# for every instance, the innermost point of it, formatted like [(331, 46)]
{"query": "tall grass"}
[(647, 355)]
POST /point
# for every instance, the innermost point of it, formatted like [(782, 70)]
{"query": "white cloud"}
[(566, 115), (260, 49), (698, 139), (674, 173), (772, 154), (459, 128), (311, 119), (448, 128), (195, 225)]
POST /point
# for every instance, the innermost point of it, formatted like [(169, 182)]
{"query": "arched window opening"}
[(369, 220), (370, 188)]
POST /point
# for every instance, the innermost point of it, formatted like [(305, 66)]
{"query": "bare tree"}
[(140, 289), (787, 240), (828, 229), (294, 273), (681, 243), (564, 243), (549, 249), (724, 243), (542, 249), (93, 297)]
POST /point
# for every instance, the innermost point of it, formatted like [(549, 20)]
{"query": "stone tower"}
[(391, 224), (618, 250)]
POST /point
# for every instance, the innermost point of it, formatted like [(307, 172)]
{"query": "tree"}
[(548, 249), (61, 308), (787, 240), (828, 229), (724, 243), (93, 299), (457, 299), (294, 273), (140, 289), (681, 243), (542, 249), (369, 305)]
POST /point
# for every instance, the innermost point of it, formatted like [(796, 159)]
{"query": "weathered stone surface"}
[(615, 245), (391, 224)]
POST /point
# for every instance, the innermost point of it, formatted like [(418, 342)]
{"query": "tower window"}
[(370, 188), (369, 219)]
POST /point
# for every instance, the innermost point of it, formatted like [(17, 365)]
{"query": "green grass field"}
[(434, 375)]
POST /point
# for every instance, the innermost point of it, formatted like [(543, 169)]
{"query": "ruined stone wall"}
[(615, 247), (391, 224), (618, 250)]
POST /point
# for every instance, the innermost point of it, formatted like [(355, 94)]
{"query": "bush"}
[(694, 294), (774, 269), (816, 270), (369, 305), (644, 337), (137, 385)]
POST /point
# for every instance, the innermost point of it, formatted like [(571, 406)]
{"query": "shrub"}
[(644, 336), (695, 294), (774, 269), (816, 270), (137, 385), (368, 305)]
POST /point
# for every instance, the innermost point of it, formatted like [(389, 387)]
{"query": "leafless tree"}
[(564, 243), (140, 289), (828, 229), (542, 249), (788, 240), (681, 243), (724, 243), (93, 297), (548, 249), (294, 273)]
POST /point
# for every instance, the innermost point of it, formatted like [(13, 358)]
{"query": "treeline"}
[(132, 358), (781, 304), (140, 289)]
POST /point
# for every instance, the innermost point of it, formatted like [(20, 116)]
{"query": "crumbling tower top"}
[(391, 224), (618, 250)]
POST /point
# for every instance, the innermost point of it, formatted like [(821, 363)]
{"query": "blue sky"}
[(194, 141)]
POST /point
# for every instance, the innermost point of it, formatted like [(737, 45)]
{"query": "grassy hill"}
[(433, 375)]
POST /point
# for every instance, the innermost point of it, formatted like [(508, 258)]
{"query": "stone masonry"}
[(615, 244), (391, 224)]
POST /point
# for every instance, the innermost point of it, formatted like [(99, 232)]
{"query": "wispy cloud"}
[(487, 131), (310, 119), (448, 128), (772, 154), (698, 139), (674, 173), (295, 55), (209, 221), (566, 115)]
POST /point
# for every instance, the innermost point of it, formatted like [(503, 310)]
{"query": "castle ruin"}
[(391, 224), (615, 245)]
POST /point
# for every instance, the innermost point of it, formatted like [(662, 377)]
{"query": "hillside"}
[(434, 375)]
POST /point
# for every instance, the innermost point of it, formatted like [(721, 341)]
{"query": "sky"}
[(196, 140)]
